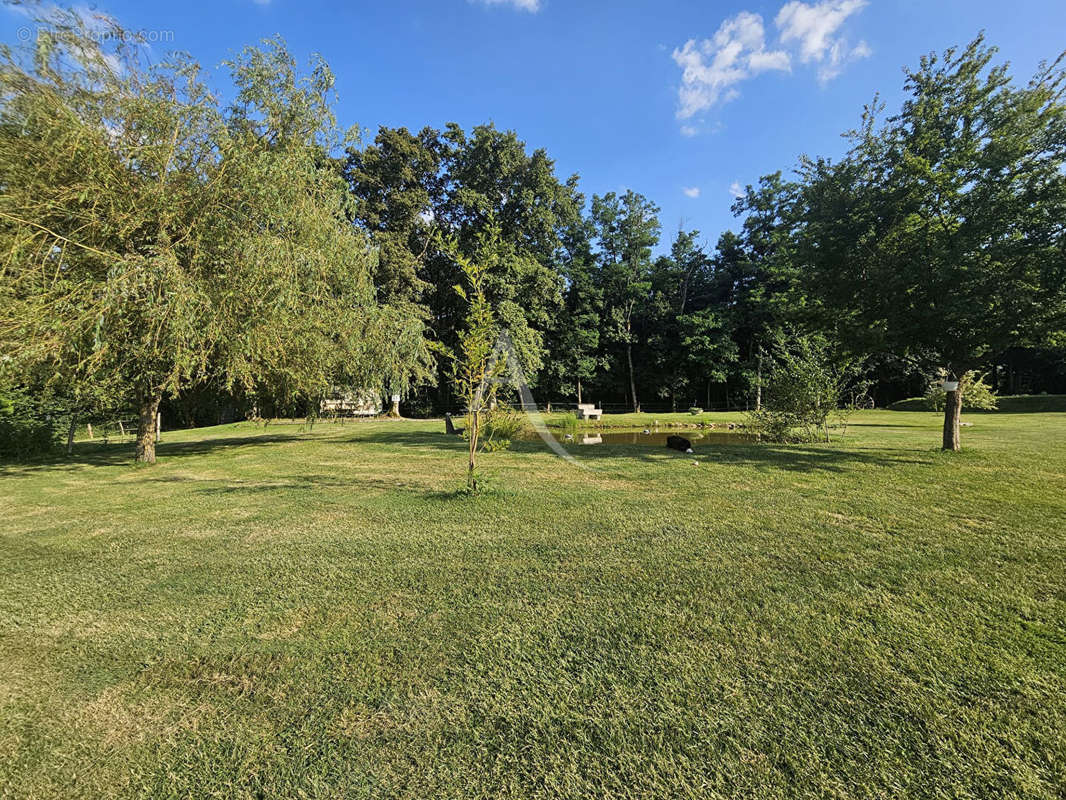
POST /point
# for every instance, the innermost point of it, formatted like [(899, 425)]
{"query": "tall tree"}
[(396, 185), (627, 228), (687, 337), (574, 341), (153, 239), (755, 273), (456, 183), (941, 231)]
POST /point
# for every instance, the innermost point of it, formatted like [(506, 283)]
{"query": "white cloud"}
[(712, 68), (736, 189), (691, 191), (533, 6), (813, 27)]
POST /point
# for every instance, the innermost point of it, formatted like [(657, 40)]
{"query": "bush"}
[(499, 427), (1008, 404), (25, 438), (695, 411), (26, 430), (976, 394), (805, 385), (568, 421)]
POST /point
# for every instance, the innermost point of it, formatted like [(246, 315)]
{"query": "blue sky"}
[(614, 91)]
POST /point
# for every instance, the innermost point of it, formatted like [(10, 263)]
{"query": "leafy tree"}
[(395, 184), (574, 341), (475, 363), (807, 380), (708, 347), (627, 228), (687, 339), (457, 184), (154, 240), (755, 276), (941, 231)]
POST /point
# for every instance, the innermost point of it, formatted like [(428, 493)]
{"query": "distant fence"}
[(626, 408)]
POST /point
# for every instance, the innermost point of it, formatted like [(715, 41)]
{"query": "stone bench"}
[(588, 411)]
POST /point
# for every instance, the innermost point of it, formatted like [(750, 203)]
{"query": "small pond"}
[(656, 437)]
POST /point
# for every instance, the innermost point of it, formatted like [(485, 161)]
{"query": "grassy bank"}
[(289, 613), (677, 419)]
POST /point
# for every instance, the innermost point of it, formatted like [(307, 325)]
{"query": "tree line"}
[(934, 243), (162, 247)]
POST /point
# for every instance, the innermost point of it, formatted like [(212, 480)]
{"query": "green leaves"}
[(157, 240), (937, 230)]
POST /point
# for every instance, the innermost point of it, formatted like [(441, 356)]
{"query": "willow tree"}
[(153, 238)]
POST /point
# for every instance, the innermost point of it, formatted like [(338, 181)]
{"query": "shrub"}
[(805, 384), (976, 394), (499, 427), (694, 411), (568, 422), (25, 429)]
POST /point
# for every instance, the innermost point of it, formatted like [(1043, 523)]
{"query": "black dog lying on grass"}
[(679, 443)]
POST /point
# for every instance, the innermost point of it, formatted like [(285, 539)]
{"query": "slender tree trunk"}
[(471, 476), (632, 379), (70, 434), (952, 412), (758, 384), (149, 407), (579, 391)]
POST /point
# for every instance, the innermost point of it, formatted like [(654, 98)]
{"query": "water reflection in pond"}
[(655, 437)]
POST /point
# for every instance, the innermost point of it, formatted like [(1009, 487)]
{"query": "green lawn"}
[(278, 613)]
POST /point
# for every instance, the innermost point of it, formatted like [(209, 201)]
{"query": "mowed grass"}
[(288, 613)]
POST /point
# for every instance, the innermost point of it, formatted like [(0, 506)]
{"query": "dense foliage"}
[(154, 239), (248, 260)]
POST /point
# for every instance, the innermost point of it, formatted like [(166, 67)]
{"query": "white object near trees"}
[(588, 411)]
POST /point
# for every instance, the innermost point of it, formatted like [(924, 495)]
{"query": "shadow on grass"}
[(802, 458), (112, 455)]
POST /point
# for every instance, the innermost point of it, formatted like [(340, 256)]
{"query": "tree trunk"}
[(632, 379), (758, 384), (952, 411), (70, 434), (149, 407), (579, 391), (475, 430)]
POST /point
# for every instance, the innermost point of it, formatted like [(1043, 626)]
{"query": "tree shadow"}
[(121, 454), (767, 456)]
